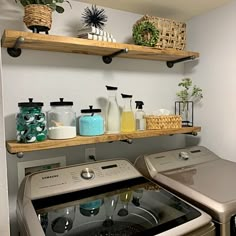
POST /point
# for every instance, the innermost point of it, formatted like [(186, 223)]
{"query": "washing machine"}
[(199, 176), (105, 198)]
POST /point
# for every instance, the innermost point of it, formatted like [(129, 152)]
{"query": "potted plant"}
[(38, 13), (188, 95)]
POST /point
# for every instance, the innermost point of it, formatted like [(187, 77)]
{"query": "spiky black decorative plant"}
[(94, 17)]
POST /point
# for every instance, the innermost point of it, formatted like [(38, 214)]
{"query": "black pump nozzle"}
[(139, 104)]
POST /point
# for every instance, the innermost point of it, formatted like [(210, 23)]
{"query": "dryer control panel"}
[(179, 158), (79, 177)]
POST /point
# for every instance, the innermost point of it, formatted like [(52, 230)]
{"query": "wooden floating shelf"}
[(56, 43), (13, 147)]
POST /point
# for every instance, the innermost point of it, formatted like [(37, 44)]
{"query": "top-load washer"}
[(199, 176), (107, 198)]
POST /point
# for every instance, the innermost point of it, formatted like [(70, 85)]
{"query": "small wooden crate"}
[(172, 34), (163, 122)]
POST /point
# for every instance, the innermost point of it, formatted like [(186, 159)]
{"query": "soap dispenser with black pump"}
[(140, 120)]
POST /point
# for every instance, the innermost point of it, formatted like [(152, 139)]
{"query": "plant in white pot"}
[(188, 95), (38, 13)]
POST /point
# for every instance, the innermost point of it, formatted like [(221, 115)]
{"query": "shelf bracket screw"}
[(20, 154)]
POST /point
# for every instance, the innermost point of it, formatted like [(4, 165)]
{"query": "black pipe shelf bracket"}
[(170, 64), (128, 140), (108, 59), (15, 51), (192, 133)]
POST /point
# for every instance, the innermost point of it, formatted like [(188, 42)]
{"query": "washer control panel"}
[(75, 178), (179, 158)]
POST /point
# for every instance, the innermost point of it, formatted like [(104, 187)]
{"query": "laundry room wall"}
[(213, 35), (4, 220), (46, 76)]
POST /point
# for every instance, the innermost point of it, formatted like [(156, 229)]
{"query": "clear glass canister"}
[(31, 122), (61, 120)]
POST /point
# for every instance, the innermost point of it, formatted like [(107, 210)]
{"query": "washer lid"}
[(213, 179), (131, 207)]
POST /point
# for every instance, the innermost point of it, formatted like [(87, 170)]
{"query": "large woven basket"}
[(172, 34), (39, 16), (163, 122)]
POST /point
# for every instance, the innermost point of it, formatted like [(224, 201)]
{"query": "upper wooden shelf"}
[(13, 147), (56, 43)]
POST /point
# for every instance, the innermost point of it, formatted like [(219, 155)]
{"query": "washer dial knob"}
[(87, 173), (184, 156)]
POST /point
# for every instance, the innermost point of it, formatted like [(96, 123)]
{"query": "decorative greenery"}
[(94, 17), (146, 34), (50, 3), (189, 93)]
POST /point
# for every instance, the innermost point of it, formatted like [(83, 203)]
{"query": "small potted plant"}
[(38, 13), (188, 95)]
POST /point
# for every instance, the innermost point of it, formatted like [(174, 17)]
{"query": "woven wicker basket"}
[(37, 15), (172, 34), (163, 122)]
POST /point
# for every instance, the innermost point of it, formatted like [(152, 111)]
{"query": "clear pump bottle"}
[(113, 112), (127, 116), (140, 120)]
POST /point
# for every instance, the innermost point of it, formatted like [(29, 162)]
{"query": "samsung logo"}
[(50, 176)]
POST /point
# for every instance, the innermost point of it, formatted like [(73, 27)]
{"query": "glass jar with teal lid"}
[(31, 122)]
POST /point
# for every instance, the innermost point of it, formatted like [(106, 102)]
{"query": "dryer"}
[(106, 198), (199, 176)]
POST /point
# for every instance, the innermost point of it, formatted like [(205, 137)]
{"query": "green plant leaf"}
[(189, 93), (59, 9), (24, 2), (52, 6), (48, 2)]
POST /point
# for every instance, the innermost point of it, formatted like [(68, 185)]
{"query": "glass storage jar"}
[(30, 122), (61, 120), (91, 123)]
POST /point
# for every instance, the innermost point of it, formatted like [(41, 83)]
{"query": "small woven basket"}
[(163, 122), (172, 34), (37, 15)]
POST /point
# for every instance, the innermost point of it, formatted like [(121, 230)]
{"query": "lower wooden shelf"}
[(13, 147)]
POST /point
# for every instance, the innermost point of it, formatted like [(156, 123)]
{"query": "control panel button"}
[(87, 173), (184, 156)]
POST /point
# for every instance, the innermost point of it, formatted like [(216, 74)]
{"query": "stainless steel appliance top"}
[(198, 174)]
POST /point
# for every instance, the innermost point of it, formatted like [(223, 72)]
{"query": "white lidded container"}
[(112, 112), (61, 120)]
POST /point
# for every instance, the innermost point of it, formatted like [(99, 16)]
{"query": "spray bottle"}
[(140, 116)]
